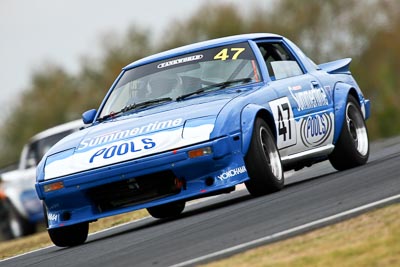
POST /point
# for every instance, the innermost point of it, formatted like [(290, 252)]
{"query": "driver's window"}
[(280, 63), (31, 159)]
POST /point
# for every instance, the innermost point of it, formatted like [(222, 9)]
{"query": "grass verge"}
[(371, 239)]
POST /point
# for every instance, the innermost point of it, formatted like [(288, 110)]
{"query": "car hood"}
[(145, 132)]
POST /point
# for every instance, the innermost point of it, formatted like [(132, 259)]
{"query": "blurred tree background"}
[(327, 30)]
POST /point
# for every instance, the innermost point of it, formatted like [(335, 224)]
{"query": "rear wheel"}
[(352, 148), (263, 162), (169, 210)]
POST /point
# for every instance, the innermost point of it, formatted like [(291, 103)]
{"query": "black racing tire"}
[(352, 148), (263, 162), (69, 236), (169, 210), (15, 225)]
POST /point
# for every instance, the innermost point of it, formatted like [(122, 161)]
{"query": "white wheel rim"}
[(271, 153), (15, 227), (356, 127)]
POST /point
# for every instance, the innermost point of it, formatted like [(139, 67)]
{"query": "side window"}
[(280, 62)]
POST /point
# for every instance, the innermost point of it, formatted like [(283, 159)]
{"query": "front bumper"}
[(145, 182)]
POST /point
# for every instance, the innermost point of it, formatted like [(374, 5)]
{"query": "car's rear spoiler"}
[(340, 66)]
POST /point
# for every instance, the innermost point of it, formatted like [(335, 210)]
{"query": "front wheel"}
[(15, 225), (352, 148), (168, 210), (263, 162), (69, 236)]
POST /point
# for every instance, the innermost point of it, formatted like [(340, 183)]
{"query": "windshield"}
[(184, 76)]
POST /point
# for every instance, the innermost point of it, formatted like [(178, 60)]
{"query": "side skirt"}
[(306, 158)]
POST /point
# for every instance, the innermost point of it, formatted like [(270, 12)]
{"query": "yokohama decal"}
[(232, 173)]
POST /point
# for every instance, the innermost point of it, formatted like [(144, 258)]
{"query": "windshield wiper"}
[(216, 85), (136, 106)]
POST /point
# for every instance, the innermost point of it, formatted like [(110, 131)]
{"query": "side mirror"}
[(88, 116)]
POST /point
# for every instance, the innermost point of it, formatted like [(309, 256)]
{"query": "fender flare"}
[(247, 118), (341, 92)]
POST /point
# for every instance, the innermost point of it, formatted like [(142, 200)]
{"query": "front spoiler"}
[(222, 169)]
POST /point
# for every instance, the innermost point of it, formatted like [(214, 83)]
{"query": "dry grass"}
[(372, 239), (41, 239)]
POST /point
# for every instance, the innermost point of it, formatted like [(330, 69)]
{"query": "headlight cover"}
[(56, 157), (198, 128)]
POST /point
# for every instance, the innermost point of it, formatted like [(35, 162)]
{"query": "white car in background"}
[(20, 208)]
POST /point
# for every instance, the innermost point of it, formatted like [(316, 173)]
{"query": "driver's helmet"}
[(164, 86)]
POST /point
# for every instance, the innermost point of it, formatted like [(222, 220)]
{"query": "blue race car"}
[(196, 121)]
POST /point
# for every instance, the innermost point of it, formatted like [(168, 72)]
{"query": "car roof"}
[(72, 125), (201, 45)]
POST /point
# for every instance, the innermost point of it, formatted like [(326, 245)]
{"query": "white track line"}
[(264, 239), (243, 245)]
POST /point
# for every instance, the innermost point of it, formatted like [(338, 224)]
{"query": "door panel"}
[(309, 123)]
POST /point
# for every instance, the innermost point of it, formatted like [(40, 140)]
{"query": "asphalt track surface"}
[(221, 226)]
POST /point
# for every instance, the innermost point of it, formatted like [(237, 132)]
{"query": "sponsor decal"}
[(179, 61), (123, 149), (231, 173), (119, 135), (313, 98), (316, 129), (52, 217)]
